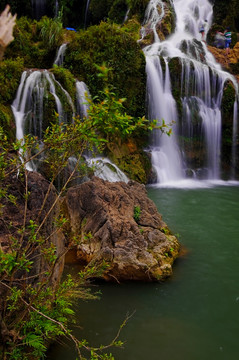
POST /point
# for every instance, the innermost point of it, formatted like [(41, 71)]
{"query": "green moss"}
[(138, 7), (168, 21), (175, 68), (66, 79), (132, 27), (7, 122), (228, 99), (10, 75), (135, 164), (36, 42), (118, 49), (118, 11)]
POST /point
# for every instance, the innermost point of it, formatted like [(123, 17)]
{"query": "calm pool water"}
[(195, 314)]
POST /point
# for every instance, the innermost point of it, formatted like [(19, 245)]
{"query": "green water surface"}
[(195, 314)]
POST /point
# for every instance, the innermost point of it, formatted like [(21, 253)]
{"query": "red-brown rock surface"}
[(224, 59)]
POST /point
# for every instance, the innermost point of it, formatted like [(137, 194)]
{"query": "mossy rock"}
[(168, 22), (137, 8), (133, 161), (66, 79), (228, 100), (7, 122), (175, 68), (37, 47), (10, 75), (118, 11)]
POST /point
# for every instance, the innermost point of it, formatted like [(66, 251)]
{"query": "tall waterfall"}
[(200, 93)]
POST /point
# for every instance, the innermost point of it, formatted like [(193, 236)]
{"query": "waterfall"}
[(106, 170), (126, 15), (82, 96), (200, 92), (60, 55), (30, 104), (36, 90), (38, 8), (56, 8), (31, 98), (86, 11), (153, 17)]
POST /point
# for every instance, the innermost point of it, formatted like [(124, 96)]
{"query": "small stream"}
[(192, 316)]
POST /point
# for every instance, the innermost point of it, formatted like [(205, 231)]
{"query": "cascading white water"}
[(82, 96), (86, 11), (60, 55), (28, 106), (106, 170), (165, 157), (202, 84), (56, 8), (28, 109), (153, 17), (38, 8)]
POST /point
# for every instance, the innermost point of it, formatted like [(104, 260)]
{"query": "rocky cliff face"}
[(117, 223), (229, 62)]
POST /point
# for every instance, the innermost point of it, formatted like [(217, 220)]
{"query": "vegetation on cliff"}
[(117, 48), (34, 308)]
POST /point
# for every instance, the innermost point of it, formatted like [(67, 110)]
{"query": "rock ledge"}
[(103, 217)]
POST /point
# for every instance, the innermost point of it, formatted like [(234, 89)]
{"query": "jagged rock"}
[(103, 216), (227, 61)]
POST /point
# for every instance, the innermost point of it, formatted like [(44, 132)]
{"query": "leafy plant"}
[(51, 32), (137, 213), (34, 308)]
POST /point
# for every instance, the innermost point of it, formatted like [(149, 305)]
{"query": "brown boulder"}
[(119, 224)]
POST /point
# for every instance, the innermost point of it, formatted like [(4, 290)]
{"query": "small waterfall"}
[(31, 103), (153, 17), (86, 12), (106, 170), (201, 90), (126, 16), (82, 96), (32, 95), (56, 8), (30, 107), (38, 8), (60, 55)]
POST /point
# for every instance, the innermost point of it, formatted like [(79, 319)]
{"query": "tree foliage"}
[(34, 309), (116, 47)]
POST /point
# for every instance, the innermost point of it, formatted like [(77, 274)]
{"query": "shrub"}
[(10, 74), (119, 50)]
